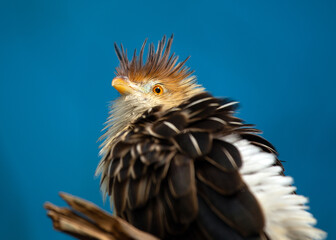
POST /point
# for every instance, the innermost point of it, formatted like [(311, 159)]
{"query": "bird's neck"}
[(126, 109), (123, 111)]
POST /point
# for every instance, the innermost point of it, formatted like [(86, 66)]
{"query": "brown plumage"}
[(167, 161), (168, 165), (159, 64)]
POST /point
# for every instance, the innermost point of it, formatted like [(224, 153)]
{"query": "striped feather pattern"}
[(171, 174)]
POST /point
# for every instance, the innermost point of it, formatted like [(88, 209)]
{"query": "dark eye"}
[(157, 90)]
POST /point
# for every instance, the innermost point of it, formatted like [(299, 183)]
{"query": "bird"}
[(177, 163)]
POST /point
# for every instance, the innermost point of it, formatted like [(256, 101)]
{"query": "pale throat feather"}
[(123, 111)]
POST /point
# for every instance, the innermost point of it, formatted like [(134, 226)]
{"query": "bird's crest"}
[(158, 65)]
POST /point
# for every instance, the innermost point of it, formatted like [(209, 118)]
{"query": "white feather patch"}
[(286, 215)]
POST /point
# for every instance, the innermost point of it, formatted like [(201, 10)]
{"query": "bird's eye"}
[(157, 89)]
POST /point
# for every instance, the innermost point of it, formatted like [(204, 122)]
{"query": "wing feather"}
[(170, 174)]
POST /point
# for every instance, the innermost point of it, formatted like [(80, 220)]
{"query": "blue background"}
[(56, 65)]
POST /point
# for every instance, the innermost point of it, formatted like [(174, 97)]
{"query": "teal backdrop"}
[(278, 58)]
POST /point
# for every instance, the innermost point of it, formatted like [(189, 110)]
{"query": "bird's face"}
[(160, 80), (152, 92)]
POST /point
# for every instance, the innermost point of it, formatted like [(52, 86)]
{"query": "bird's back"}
[(173, 174)]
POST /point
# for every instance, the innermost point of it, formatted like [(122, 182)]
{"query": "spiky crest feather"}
[(158, 65)]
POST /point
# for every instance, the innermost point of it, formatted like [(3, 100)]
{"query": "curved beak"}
[(122, 85)]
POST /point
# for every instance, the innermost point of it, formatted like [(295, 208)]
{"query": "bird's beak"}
[(122, 85)]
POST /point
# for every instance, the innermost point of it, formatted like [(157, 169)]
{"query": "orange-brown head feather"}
[(138, 80), (158, 65)]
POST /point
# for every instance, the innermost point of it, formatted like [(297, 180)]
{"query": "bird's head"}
[(159, 80)]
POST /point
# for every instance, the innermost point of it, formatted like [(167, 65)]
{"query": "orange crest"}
[(158, 65)]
